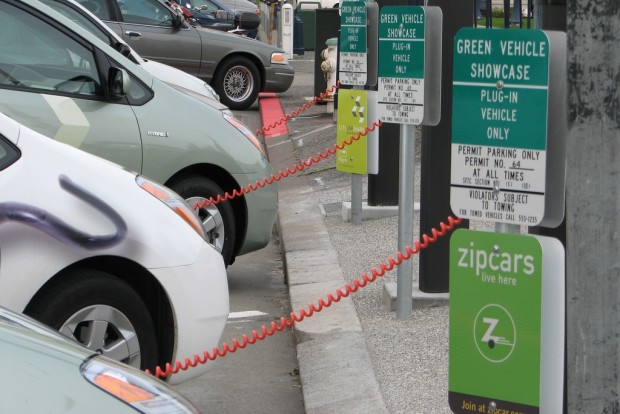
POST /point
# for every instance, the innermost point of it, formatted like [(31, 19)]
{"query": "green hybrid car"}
[(44, 372), (68, 84)]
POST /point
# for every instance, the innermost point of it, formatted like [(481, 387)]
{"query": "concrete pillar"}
[(592, 202)]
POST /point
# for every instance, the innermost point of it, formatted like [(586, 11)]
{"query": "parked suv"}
[(237, 67), (68, 84)]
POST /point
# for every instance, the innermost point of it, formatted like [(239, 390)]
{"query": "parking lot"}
[(263, 377), (153, 224)]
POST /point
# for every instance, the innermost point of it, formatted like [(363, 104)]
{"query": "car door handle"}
[(133, 34)]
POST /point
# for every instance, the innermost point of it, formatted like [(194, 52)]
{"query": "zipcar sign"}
[(495, 323), (499, 125)]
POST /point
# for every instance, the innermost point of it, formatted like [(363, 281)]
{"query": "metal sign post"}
[(408, 94), (355, 108), (357, 19), (352, 70)]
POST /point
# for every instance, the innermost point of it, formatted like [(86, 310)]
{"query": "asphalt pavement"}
[(354, 356)]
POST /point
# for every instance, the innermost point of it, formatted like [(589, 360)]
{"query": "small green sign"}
[(352, 119), (400, 90), (401, 42), (495, 323), (353, 55)]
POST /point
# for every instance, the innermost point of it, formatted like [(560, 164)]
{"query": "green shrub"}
[(497, 12)]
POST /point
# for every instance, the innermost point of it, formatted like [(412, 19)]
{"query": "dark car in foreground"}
[(237, 67)]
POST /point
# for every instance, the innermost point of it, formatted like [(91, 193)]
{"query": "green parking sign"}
[(409, 68), (353, 56), (401, 64), (499, 125)]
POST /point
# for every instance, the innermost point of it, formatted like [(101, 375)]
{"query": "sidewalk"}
[(355, 356)]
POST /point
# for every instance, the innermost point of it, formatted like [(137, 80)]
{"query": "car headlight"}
[(245, 131), (278, 57), (174, 201), (142, 392)]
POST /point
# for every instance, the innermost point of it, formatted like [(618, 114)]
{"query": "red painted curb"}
[(272, 115)]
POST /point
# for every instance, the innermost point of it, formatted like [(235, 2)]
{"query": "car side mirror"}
[(177, 20), (122, 48), (118, 82)]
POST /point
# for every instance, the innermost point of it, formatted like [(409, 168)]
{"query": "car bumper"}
[(199, 297), (262, 207), (278, 78)]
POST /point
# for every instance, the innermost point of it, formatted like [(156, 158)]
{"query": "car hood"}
[(203, 98), (175, 77)]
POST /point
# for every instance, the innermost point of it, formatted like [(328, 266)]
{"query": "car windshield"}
[(36, 55), (80, 19), (98, 29)]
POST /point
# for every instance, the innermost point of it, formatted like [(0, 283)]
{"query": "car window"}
[(80, 19), (8, 153), (99, 29), (36, 55), (149, 12), (205, 6), (96, 7)]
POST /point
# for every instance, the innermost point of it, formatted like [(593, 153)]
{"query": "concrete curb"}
[(336, 371)]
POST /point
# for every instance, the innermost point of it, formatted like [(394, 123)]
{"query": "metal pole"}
[(506, 14), (356, 199), (592, 193), (404, 281), (383, 187), (507, 228)]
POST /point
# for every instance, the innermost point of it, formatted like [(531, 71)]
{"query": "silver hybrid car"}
[(66, 83)]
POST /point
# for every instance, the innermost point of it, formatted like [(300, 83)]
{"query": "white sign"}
[(401, 100), (484, 170), (353, 68)]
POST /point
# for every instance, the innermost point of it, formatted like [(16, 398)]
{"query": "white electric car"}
[(107, 257)]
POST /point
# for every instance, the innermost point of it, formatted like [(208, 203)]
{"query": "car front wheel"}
[(101, 312), (218, 219), (237, 82)]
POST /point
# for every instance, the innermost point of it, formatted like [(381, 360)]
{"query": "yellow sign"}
[(352, 119)]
